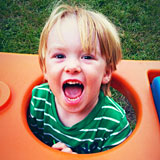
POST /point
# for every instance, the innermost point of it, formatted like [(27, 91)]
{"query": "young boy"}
[(78, 51)]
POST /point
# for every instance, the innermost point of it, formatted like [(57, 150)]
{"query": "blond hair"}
[(92, 26)]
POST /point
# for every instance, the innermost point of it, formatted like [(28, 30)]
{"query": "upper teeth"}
[(73, 82)]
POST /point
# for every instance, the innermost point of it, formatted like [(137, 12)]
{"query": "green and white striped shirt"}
[(105, 126)]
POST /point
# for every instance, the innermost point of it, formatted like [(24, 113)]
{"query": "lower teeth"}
[(73, 99)]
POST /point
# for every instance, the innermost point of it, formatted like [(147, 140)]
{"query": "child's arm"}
[(33, 126), (62, 147), (34, 116), (120, 134)]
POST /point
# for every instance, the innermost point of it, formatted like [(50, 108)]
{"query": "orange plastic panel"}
[(19, 73)]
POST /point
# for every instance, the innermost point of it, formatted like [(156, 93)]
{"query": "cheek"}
[(53, 76), (95, 76), (52, 69), (54, 84), (94, 79)]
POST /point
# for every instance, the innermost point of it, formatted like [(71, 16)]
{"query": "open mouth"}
[(73, 89)]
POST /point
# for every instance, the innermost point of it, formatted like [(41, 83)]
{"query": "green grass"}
[(138, 23)]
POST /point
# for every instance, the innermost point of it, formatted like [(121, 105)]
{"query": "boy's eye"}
[(59, 56), (87, 57)]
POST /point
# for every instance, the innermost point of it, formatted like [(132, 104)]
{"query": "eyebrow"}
[(60, 47), (57, 47)]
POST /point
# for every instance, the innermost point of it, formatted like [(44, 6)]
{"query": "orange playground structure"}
[(19, 73)]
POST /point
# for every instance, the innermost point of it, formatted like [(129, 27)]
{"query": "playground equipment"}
[(19, 73), (156, 93)]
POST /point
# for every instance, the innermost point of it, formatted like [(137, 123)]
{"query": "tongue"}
[(73, 91)]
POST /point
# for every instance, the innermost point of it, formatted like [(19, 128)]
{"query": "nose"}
[(72, 67)]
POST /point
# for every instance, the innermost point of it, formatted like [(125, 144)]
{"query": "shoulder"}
[(110, 107), (113, 107), (41, 99), (42, 88), (112, 112), (41, 95), (41, 91)]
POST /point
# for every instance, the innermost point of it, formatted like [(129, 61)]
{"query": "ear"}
[(107, 76)]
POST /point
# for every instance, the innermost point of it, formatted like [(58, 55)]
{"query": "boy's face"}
[(75, 77)]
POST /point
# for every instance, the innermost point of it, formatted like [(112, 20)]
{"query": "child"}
[(79, 49)]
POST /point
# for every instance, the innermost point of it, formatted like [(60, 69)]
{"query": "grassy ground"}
[(138, 22)]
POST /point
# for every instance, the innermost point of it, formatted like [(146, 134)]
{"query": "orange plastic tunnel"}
[(19, 73)]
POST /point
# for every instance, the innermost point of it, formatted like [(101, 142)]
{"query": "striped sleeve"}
[(119, 134), (36, 113), (33, 124), (121, 130)]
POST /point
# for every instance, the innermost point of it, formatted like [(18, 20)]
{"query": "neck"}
[(67, 118), (71, 118)]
